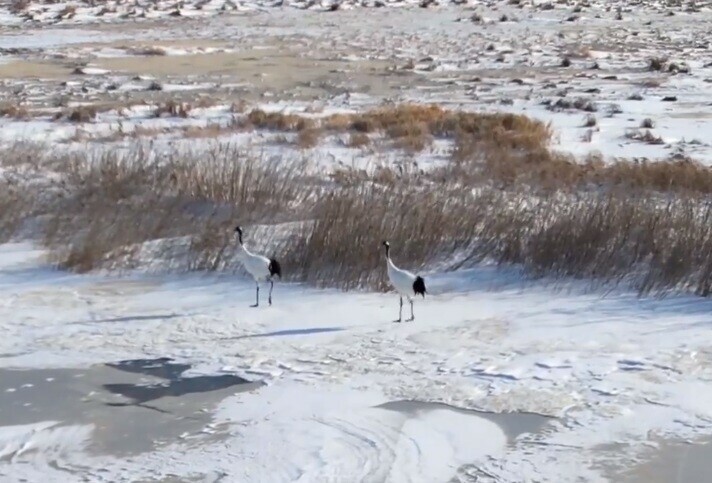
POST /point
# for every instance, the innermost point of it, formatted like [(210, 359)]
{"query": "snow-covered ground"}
[(616, 375), (498, 379), (485, 56)]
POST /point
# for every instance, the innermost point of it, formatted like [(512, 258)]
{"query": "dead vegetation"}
[(644, 136), (504, 196), (152, 50), (172, 108), (14, 111), (410, 127), (78, 114), (657, 64), (358, 140), (118, 202), (563, 104), (19, 6)]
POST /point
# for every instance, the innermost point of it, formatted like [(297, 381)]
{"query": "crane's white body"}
[(261, 268), (406, 283), (402, 280), (256, 265)]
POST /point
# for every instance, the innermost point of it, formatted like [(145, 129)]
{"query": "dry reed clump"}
[(657, 64), (650, 243), (579, 103), (412, 126), (342, 247), (152, 50), (14, 208), (118, 201), (276, 121), (172, 108), (358, 140), (308, 138), (80, 114), (14, 111), (647, 123), (644, 136), (543, 169), (19, 6), (620, 221), (590, 121)]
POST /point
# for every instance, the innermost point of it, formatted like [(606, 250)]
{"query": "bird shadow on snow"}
[(175, 385), (278, 333), (129, 318)]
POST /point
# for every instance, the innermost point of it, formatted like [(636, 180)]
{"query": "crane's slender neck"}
[(242, 250), (389, 262)]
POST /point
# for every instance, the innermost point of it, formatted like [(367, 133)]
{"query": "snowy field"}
[(625, 81), (164, 377), (614, 377)]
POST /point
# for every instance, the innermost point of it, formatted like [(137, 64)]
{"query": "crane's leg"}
[(271, 286), (257, 302), (412, 316), (400, 310)]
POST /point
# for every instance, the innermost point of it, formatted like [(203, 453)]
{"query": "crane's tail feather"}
[(274, 268), (419, 286)]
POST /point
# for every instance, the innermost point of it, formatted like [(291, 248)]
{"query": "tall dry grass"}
[(14, 208), (411, 127), (119, 200), (648, 243), (504, 196)]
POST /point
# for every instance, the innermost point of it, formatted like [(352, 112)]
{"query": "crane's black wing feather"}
[(419, 286), (274, 268)]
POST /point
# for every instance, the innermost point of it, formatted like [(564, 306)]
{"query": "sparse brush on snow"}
[(19, 6), (647, 123), (14, 111), (656, 64), (172, 108), (358, 140), (590, 121), (308, 138), (645, 136), (152, 50), (80, 114)]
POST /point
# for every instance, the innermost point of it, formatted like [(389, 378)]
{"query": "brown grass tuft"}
[(656, 64), (14, 111), (67, 12), (19, 6), (172, 109), (644, 136), (81, 114), (151, 50), (590, 121), (308, 138), (358, 140), (276, 121), (413, 126)]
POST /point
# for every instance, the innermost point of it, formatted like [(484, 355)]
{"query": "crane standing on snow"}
[(261, 268), (405, 283)]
